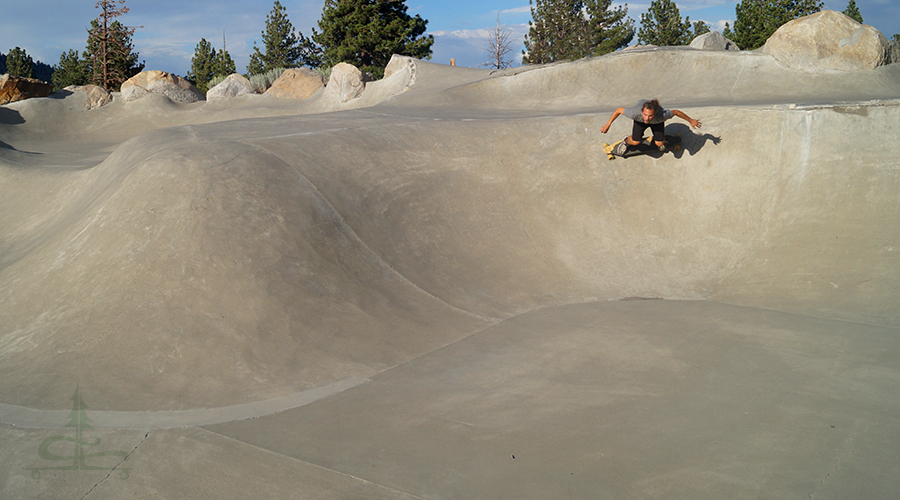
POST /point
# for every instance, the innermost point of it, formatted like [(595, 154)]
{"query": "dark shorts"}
[(658, 129)]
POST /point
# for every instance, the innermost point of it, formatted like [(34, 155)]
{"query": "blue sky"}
[(171, 29)]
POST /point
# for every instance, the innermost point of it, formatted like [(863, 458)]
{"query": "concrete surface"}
[(419, 294)]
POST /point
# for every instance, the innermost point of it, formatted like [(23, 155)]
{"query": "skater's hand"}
[(696, 123), (604, 129)]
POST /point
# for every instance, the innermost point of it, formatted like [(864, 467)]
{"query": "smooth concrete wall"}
[(791, 209)]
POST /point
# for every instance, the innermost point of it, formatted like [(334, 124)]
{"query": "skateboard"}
[(646, 146)]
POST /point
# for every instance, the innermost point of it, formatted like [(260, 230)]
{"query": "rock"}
[(346, 83), (400, 63), (713, 41), (97, 96), (160, 82), (232, 86), (296, 83), (16, 88), (829, 41)]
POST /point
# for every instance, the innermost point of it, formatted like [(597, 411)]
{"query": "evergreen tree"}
[(366, 33), (224, 64), (557, 31), (43, 72), (208, 64), (699, 28), (110, 56), (756, 20), (203, 65), (284, 47), (662, 25), (19, 63), (69, 71), (853, 12), (609, 29)]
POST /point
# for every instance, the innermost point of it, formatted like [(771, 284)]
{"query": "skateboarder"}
[(647, 114)]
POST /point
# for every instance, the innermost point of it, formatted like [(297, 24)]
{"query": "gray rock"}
[(160, 82), (96, 96), (297, 83), (829, 41), (232, 86), (346, 83), (713, 41), (399, 64)]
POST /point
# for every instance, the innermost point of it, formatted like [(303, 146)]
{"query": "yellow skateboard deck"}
[(646, 142)]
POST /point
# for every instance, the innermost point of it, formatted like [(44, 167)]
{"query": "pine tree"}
[(110, 55), (699, 28), (366, 33), (557, 31), (19, 63), (69, 71), (203, 65), (224, 64), (853, 12), (662, 25), (756, 20), (610, 29), (283, 46)]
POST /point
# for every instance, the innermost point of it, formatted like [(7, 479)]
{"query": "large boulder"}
[(829, 41), (232, 86), (399, 64), (713, 41), (296, 83), (96, 96), (16, 88), (346, 83), (160, 82)]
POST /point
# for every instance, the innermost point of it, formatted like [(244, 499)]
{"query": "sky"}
[(169, 30)]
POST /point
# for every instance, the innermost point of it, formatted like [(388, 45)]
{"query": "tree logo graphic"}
[(78, 420)]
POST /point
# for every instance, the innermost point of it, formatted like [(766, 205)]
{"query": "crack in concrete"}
[(125, 459)]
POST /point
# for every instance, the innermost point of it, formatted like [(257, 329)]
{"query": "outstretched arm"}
[(616, 113), (680, 114)]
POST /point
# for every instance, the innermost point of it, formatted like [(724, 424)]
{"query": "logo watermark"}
[(78, 420)]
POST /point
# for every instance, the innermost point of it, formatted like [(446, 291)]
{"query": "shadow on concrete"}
[(60, 94), (10, 116), (690, 142)]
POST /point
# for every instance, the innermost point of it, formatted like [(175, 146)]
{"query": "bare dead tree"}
[(498, 47)]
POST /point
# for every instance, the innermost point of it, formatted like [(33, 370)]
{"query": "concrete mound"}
[(226, 253)]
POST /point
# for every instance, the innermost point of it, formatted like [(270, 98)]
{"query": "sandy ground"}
[(434, 291)]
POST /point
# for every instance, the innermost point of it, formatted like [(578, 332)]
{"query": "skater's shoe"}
[(620, 148), (664, 147)]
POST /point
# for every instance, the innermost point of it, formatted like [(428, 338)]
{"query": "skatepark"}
[(444, 289)]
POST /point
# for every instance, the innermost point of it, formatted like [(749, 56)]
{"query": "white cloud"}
[(518, 10), (463, 34)]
